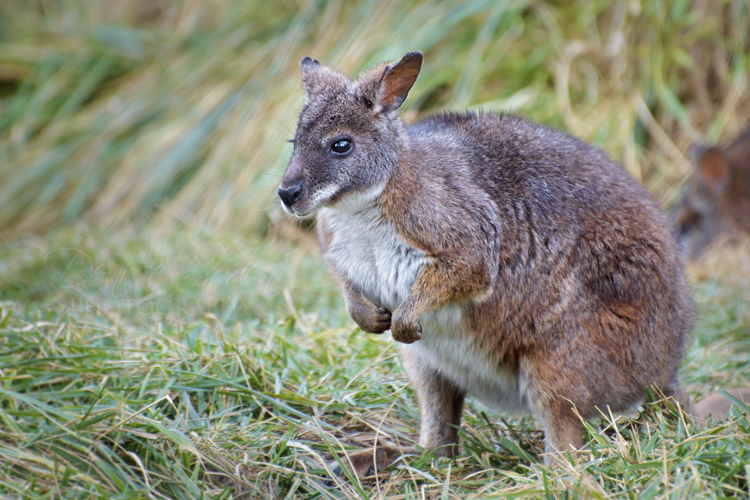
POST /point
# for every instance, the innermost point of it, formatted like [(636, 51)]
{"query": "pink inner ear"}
[(398, 80), (714, 169), (397, 86)]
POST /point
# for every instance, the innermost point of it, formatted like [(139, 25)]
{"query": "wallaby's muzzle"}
[(289, 195)]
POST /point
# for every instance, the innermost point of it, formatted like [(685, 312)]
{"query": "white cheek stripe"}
[(323, 195)]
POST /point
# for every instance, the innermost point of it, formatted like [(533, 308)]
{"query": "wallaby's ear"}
[(714, 170), (310, 74), (396, 82)]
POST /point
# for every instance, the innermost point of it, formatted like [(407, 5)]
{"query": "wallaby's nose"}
[(290, 195)]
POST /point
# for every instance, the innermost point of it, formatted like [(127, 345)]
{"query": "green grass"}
[(145, 365), (166, 333)]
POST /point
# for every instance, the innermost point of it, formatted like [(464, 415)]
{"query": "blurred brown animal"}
[(717, 202), (716, 209), (514, 263)]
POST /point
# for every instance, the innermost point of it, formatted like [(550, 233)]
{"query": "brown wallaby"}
[(514, 263), (717, 202)]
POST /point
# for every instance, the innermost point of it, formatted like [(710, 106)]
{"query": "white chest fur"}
[(367, 250)]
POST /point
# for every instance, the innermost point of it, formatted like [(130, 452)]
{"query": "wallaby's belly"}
[(445, 349), (368, 251)]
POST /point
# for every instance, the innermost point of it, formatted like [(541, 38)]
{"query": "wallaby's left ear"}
[(397, 81)]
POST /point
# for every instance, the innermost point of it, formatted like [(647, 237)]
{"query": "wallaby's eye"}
[(686, 227), (342, 146), (690, 224)]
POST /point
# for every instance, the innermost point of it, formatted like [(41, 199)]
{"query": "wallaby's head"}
[(349, 137), (717, 201)]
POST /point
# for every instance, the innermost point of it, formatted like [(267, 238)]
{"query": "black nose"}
[(290, 195)]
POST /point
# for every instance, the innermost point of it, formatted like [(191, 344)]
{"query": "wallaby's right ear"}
[(311, 69), (397, 81), (713, 168)]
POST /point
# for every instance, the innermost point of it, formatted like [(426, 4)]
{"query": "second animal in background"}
[(716, 205)]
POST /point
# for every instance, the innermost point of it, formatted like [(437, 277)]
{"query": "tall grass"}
[(177, 112)]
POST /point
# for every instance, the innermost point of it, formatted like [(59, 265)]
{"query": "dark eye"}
[(690, 224), (342, 146), (686, 227)]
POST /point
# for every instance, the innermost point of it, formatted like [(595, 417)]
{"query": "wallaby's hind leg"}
[(441, 402), (563, 428), (555, 394)]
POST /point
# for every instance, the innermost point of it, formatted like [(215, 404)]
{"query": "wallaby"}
[(716, 207), (514, 263), (717, 201)]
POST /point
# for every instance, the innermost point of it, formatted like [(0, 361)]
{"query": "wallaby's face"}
[(348, 138), (717, 197)]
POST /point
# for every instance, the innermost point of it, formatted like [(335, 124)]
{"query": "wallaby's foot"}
[(562, 436), (368, 462), (716, 405)]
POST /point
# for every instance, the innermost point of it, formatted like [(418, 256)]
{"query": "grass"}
[(165, 333), (129, 370)]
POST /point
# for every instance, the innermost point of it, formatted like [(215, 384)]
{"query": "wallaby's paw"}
[(406, 333), (371, 318)]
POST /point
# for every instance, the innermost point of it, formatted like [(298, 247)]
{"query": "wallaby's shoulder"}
[(514, 158)]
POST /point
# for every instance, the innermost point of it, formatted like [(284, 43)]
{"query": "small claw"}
[(383, 310)]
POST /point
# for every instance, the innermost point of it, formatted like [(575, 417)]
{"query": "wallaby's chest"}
[(367, 250)]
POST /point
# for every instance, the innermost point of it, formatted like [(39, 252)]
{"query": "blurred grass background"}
[(166, 333), (176, 112)]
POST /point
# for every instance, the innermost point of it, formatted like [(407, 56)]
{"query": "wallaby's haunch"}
[(514, 263)]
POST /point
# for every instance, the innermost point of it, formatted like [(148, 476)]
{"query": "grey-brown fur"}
[(717, 202), (513, 262)]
